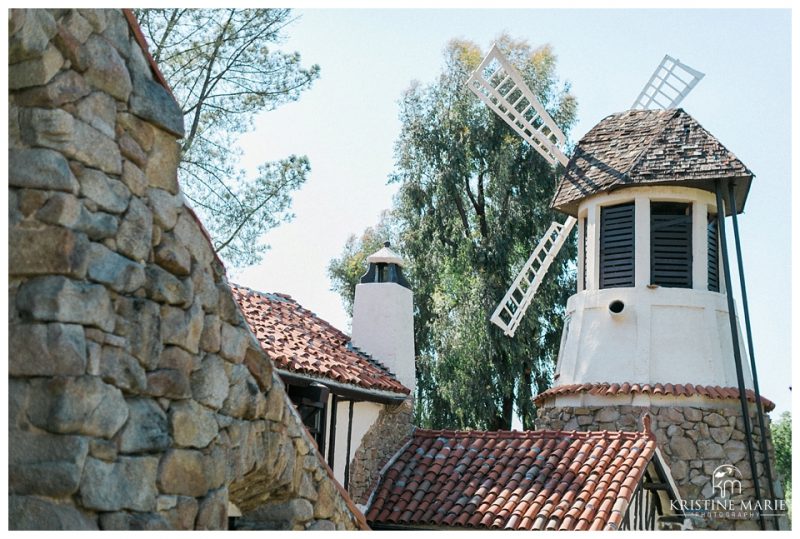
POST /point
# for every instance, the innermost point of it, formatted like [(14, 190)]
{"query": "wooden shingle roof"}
[(641, 147), (532, 480)]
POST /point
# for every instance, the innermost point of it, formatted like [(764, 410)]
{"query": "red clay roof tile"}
[(687, 390), (297, 340), (514, 480)]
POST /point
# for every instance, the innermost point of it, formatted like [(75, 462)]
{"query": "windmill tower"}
[(652, 326)]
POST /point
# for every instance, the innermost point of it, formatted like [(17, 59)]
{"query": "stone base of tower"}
[(697, 442)]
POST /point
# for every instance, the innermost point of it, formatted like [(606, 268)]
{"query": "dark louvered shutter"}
[(713, 254), (617, 246), (671, 244)]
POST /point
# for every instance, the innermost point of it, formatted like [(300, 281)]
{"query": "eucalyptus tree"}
[(473, 199), (224, 67)]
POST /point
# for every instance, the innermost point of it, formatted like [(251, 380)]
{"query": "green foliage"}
[(782, 442), (346, 271), (223, 70), (473, 202)]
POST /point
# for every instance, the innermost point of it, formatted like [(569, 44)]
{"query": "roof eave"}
[(379, 396), (742, 185)]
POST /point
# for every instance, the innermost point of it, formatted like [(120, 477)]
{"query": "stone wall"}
[(382, 441), (138, 397), (693, 440)]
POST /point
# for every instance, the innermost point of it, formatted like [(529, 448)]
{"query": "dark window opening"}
[(617, 246), (585, 253), (311, 403), (671, 244), (713, 254)]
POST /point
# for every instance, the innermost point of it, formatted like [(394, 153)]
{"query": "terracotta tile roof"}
[(297, 340), (687, 390), (646, 147), (534, 480)]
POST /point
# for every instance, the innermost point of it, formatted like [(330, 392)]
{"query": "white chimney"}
[(383, 315)]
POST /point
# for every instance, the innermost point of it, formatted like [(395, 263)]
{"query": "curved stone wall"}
[(138, 397)]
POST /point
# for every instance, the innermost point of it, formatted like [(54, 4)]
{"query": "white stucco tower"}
[(383, 315), (651, 305)]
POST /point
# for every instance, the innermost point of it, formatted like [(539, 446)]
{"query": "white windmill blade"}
[(498, 84), (511, 309), (669, 84)]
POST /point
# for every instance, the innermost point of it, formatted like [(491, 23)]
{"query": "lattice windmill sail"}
[(669, 84), (501, 87), (498, 84)]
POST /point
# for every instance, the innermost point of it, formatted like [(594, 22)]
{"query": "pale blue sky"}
[(347, 124)]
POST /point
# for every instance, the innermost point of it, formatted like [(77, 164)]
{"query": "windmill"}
[(652, 188), (501, 87)]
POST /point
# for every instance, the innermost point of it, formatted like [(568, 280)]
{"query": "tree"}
[(346, 271), (223, 70), (782, 442), (473, 202)]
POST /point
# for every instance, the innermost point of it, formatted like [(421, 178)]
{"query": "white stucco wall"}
[(364, 415), (383, 326), (663, 335)]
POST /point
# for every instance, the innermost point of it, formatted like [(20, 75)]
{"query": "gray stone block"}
[(233, 343), (182, 328), (84, 405), (213, 511), (192, 425), (135, 231), (152, 102), (147, 428), (165, 207), (45, 464), (110, 195), (182, 471), (58, 130), (129, 483), (46, 350), (39, 168), (123, 520), (47, 250), (100, 111), (106, 68), (66, 87), (121, 369), (210, 383), (36, 71), (97, 225), (30, 31), (118, 272), (59, 299), (61, 209), (164, 287), (30, 513), (143, 329)]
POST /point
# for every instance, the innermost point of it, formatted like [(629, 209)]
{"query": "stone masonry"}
[(394, 426), (694, 441), (138, 397)]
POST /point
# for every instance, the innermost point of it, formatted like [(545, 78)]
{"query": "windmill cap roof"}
[(642, 147), (385, 255)]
